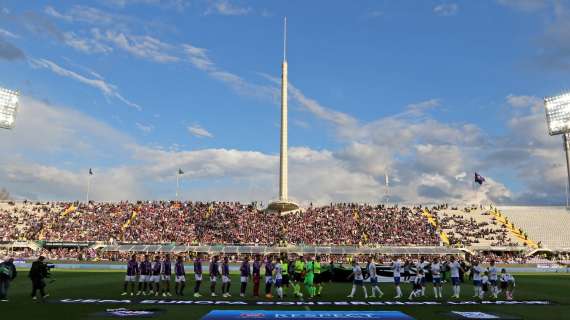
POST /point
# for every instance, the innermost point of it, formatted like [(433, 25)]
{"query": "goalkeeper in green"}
[(310, 277), (299, 270)]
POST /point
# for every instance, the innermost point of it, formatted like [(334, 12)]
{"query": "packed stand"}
[(217, 223)]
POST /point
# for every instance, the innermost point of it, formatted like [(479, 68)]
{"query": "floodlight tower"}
[(9, 100), (558, 119)]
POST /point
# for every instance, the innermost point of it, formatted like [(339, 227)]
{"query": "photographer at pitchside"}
[(38, 273)]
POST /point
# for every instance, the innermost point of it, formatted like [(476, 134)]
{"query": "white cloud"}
[(198, 131), (420, 107), (226, 8), (320, 111), (199, 58), (145, 128), (522, 101), (84, 44), (526, 5), (107, 89), (179, 5), (446, 9), (145, 47), (7, 34), (85, 14)]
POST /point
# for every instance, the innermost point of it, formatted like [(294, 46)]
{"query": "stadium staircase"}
[(443, 236), (518, 233), (548, 226)]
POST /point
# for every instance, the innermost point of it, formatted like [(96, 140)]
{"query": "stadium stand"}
[(473, 227), (218, 223), (79, 231), (547, 226)]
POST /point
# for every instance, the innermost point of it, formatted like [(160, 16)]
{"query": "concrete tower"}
[(283, 204)]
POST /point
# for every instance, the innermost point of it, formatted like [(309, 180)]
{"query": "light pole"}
[(9, 100), (557, 110)]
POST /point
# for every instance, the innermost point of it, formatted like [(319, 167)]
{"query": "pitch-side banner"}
[(351, 303), (305, 315)]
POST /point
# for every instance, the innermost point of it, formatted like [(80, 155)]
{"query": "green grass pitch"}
[(108, 285)]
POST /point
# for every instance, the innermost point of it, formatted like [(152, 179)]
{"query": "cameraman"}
[(38, 272)]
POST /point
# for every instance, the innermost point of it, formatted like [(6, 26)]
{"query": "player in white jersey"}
[(477, 272), (358, 280), (422, 265), (436, 277), (484, 285), (397, 269), (511, 284), (455, 268), (278, 278), (493, 277), (373, 278), (417, 290)]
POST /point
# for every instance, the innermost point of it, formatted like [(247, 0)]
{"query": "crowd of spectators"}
[(217, 223), (463, 230)]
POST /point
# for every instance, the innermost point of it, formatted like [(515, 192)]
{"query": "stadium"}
[(375, 230)]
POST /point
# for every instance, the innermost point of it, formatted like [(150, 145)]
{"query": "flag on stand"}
[(479, 178)]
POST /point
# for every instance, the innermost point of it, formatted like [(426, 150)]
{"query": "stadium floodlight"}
[(8, 108), (558, 120)]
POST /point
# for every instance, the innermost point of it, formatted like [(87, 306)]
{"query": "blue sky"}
[(422, 91)]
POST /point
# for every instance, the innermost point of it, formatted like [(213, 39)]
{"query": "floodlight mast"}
[(9, 101), (558, 120), (567, 152)]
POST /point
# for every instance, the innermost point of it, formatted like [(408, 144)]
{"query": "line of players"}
[(485, 281), (153, 278)]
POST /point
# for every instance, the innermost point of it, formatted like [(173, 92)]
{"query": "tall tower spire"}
[(285, 39), (283, 205), (283, 169)]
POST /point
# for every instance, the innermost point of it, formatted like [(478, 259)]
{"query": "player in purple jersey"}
[(256, 276), (180, 276), (245, 274), (214, 275), (144, 278), (132, 271), (165, 275), (156, 268), (197, 276), (268, 277), (226, 280)]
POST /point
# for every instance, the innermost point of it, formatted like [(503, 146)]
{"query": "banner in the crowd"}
[(297, 303), (304, 315), (63, 244)]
